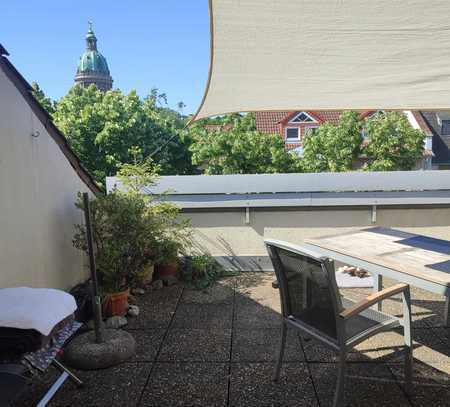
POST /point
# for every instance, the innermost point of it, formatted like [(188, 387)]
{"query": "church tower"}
[(92, 67)]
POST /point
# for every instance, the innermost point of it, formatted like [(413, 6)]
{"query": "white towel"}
[(34, 308)]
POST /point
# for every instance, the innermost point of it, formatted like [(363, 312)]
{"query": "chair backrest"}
[(307, 283)]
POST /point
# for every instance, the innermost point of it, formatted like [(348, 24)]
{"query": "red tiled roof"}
[(328, 116), (267, 122)]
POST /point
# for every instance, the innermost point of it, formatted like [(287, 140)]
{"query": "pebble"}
[(133, 311)]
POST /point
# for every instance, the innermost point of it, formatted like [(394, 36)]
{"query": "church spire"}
[(91, 39)]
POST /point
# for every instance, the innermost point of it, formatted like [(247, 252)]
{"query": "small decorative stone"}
[(138, 291), (133, 311), (116, 322), (157, 285), (170, 280)]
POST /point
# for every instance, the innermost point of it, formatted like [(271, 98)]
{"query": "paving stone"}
[(156, 308), (262, 345), (221, 292), (251, 314), (197, 345), (251, 385), (147, 343), (257, 288), (187, 384), (203, 316), (431, 384), (371, 384), (117, 386)]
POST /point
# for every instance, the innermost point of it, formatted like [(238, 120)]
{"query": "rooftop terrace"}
[(217, 348)]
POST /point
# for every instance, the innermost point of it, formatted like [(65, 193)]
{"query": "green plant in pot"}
[(123, 234), (202, 271), (167, 260)]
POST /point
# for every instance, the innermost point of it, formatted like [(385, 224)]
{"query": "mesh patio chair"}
[(311, 303)]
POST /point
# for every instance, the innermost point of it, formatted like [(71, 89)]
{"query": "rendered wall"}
[(225, 233), (38, 188)]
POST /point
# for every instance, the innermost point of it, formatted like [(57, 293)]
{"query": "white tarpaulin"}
[(328, 54)]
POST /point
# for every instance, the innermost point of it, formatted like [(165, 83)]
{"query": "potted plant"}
[(167, 260), (201, 271), (123, 235)]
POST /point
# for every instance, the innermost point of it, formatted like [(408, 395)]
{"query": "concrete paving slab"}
[(117, 386), (251, 385), (187, 384), (202, 316), (196, 345), (219, 293), (371, 385), (148, 342), (262, 345)]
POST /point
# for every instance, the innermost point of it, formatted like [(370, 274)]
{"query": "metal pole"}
[(96, 301)]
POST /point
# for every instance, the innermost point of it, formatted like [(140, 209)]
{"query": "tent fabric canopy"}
[(279, 55)]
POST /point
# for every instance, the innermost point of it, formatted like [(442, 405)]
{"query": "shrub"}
[(202, 271)]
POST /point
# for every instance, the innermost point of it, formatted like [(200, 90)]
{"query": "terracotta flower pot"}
[(166, 270), (116, 304)]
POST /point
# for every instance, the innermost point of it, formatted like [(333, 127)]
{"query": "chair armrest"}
[(373, 299)]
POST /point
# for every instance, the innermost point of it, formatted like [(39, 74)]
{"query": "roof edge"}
[(3, 50), (25, 90)]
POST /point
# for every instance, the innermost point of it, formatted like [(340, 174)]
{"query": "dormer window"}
[(445, 130), (292, 135), (302, 117)]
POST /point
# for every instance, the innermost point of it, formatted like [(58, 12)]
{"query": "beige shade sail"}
[(269, 55)]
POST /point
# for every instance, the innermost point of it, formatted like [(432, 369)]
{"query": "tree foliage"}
[(393, 143), (45, 101), (333, 147), (109, 129), (239, 149)]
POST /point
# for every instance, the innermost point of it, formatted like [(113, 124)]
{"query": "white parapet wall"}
[(233, 214)]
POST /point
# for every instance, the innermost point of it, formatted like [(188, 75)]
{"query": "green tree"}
[(240, 149), (45, 101), (108, 129), (333, 147), (393, 144)]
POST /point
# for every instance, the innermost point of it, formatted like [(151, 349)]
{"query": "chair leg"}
[(276, 373), (408, 340), (339, 394)]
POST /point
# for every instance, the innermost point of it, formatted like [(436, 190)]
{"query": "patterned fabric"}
[(41, 359)]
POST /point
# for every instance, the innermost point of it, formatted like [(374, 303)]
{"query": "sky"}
[(147, 43)]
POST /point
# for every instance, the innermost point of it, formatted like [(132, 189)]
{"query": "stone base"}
[(83, 353)]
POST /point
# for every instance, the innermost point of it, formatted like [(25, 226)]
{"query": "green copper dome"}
[(92, 60)]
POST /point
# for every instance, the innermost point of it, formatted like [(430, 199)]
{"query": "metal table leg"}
[(378, 286)]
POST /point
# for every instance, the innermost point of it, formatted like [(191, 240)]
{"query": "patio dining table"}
[(420, 261)]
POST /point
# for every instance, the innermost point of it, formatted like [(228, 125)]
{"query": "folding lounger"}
[(34, 326)]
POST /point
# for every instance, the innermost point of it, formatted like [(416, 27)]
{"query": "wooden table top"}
[(421, 256)]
